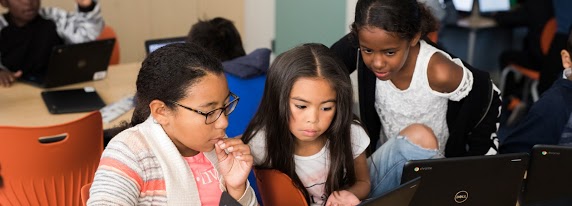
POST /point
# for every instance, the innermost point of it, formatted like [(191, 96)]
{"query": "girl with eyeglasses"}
[(176, 151)]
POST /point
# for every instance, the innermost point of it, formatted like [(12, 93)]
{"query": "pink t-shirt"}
[(207, 179)]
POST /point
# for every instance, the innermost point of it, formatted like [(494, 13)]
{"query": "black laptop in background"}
[(549, 177), (74, 63), (72, 100), (400, 196), (486, 7), (153, 44), (468, 181)]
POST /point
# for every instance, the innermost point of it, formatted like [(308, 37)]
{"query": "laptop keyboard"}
[(114, 110)]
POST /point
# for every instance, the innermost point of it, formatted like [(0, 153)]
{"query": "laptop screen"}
[(74, 63), (463, 5), (154, 44), (487, 6)]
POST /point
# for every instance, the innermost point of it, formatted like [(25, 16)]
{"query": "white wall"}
[(350, 12), (259, 24)]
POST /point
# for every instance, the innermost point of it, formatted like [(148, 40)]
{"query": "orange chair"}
[(532, 76), (48, 165), (277, 189), (109, 33), (85, 193), (433, 36)]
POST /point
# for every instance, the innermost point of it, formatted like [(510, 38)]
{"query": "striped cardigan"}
[(142, 166)]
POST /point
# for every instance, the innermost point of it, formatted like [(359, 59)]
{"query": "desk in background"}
[(22, 104)]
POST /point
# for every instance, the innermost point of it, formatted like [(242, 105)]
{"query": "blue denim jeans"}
[(386, 163)]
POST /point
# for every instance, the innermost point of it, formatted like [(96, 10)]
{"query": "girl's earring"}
[(155, 121)]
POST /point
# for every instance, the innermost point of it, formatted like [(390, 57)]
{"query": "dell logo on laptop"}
[(461, 196)]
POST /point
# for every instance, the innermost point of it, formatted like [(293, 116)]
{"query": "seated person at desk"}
[(531, 15), (221, 38), (175, 151), (551, 67), (28, 33), (548, 121)]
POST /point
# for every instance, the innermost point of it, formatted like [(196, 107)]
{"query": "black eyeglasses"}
[(214, 114)]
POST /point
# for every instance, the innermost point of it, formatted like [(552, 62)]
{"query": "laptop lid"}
[(153, 44), (72, 100), (549, 176), (74, 63), (477, 180), (400, 196), (463, 5)]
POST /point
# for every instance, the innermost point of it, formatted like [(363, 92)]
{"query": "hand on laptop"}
[(342, 197), (8, 77)]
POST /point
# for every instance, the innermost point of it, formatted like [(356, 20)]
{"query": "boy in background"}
[(28, 33), (548, 121)]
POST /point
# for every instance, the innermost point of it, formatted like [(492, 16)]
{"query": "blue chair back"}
[(250, 92)]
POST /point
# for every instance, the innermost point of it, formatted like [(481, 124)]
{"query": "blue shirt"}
[(545, 123), (566, 138), (563, 14)]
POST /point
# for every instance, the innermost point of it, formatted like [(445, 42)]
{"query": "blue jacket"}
[(545, 121), (251, 65), (246, 77)]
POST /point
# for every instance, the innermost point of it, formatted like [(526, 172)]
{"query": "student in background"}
[(532, 15), (405, 80), (28, 33), (176, 151), (551, 65), (305, 128), (220, 37), (549, 120)]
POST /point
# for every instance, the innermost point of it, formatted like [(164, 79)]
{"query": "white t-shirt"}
[(312, 170), (418, 103)]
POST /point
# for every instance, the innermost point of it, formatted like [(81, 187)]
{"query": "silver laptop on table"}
[(74, 63)]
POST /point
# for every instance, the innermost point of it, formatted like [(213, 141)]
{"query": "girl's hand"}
[(84, 3), (342, 197), (8, 77), (234, 166)]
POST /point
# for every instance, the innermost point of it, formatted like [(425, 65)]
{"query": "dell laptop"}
[(74, 63), (549, 176), (400, 196), (468, 181)]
